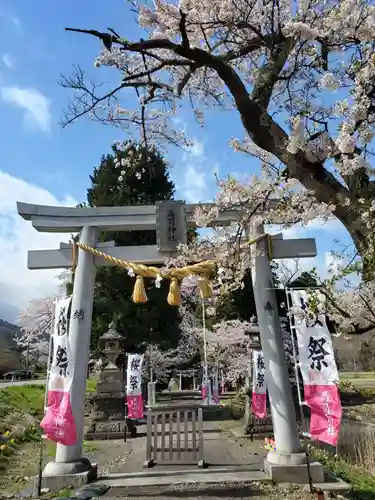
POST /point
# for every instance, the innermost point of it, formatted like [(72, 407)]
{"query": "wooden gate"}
[(261, 427), (174, 435)]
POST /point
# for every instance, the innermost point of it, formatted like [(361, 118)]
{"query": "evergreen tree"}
[(240, 304), (131, 175)]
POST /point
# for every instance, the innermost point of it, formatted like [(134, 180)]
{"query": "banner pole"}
[(41, 447), (296, 371), (251, 382), (126, 396), (207, 399)]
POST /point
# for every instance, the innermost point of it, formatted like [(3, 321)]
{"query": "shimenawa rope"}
[(202, 269)]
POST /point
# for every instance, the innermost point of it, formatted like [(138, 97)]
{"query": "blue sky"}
[(42, 163)]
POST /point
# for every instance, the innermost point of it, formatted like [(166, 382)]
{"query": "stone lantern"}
[(111, 345), (254, 335), (253, 345), (108, 421)]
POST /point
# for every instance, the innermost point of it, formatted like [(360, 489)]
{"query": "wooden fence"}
[(174, 435), (261, 427)]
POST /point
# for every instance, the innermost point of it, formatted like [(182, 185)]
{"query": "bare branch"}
[(252, 46), (135, 47), (182, 25)]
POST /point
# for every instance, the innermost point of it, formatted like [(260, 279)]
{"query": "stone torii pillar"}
[(69, 458), (288, 462)]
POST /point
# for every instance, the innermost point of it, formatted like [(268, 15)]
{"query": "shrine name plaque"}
[(170, 225)]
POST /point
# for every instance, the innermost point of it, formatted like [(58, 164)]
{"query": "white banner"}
[(61, 369), (316, 354), (259, 380), (134, 374)]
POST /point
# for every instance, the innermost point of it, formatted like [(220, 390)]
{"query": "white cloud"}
[(293, 268), (195, 186), (324, 233), (194, 179), (333, 226), (36, 106), (19, 285), (8, 60), (197, 149)]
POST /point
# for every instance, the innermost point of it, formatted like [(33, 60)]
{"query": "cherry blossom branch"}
[(278, 42)]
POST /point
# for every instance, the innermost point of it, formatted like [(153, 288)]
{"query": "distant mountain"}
[(10, 358), (8, 312), (7, 333)]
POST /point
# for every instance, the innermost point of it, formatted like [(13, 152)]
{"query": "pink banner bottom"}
[(204, 391), (58, 422), (325, 412), (135, 406), (259, 405)]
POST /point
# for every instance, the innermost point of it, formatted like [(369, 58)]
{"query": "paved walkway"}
[(221, 450), (4, 384), (234, 471)]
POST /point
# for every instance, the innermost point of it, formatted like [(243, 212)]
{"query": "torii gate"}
[(88, 222)]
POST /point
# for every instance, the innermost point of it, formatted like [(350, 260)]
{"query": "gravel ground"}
[(256, 491), (110, 455)]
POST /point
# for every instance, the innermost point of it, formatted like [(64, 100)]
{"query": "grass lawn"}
[(21, 409), (92, 383), (362, 481), (25, 399), (357, 375), (28, 399)]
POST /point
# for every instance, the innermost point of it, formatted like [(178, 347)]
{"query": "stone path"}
[(234, 471), (221, 449)]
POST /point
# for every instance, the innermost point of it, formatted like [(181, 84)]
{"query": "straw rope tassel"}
[(139, 293), (174, 295), (74, 254)]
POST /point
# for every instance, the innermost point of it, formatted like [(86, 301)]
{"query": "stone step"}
[(336, 486), (120, 483), (222, 491)]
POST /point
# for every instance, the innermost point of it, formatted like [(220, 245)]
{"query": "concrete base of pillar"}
[(294, 473), (281, 458), (59, 475)]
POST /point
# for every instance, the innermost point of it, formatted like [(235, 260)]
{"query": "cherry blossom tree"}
[(35, 326), (349, 301), (157, 364), (227, 347), (299, 74)]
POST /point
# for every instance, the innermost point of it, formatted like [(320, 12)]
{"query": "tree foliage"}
[(133, 175), (240, 303), (366, 355), (35, 324)]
